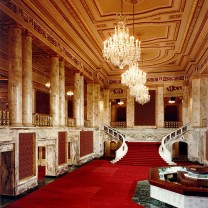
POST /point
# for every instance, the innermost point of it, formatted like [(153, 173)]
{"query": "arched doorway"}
[(180, 151)]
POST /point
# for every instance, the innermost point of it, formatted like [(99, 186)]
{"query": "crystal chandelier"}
[(133, 76), (121, 49), (141, 93)]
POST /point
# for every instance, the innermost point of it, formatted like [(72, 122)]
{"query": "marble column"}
[(15, 76), (160, 107), (27, 91), (185, 104), (204, 101), (93, 110), (129, 110), (54, 85), (78, 101), (196, 102), (106, 115), (61, 93), (81, 100)]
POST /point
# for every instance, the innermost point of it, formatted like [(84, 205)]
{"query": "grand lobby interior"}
[(76, 131)]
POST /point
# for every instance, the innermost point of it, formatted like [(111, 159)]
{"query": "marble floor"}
[(142, 196)]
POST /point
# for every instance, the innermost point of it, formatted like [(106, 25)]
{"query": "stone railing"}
[(71, 122), (118, 124), (42, 120), (4, 118), (166, 144), (172, 124), (123, 149), (87, 123)]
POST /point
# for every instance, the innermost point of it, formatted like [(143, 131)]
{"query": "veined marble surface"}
[(136, 135)]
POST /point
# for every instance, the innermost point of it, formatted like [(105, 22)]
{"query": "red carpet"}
[(143, 154), (98, 184)]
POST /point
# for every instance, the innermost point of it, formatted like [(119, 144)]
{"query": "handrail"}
[(122, 150), (165, 147)]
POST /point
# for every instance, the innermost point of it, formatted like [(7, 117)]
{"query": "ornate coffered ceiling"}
[(173, 33)]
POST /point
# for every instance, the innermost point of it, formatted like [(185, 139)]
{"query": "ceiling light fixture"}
[(172, 100), (121, 49), (70, 93)]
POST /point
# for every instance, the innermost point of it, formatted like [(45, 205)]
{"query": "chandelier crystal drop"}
[(121, 49), (133, 76), (141, 93)]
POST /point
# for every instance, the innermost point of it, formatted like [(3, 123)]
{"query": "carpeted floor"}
[(94, 185)]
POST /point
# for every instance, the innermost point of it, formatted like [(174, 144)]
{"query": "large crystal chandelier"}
[(135, 79), (121, 49), (133, 76), (141, 93)]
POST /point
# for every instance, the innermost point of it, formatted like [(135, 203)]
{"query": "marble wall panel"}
[(196, 102), (129, 110), (160, 107)]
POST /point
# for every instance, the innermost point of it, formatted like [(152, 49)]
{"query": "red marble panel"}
[(26, 155), (144, 115), (86, 143), (61, 148)]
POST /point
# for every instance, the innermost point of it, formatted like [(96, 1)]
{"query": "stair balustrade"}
[(166, 144), (123, 149)]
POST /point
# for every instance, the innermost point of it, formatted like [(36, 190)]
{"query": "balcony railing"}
[(173, 124), (4, 118), (71, 122), (42, 120), (118, 124)]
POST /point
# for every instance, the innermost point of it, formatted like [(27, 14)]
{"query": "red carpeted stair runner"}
[(143, 154)]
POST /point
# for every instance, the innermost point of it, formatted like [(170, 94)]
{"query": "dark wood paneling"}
[(206, 145), (69, 150), (144, 115), (86, 143)]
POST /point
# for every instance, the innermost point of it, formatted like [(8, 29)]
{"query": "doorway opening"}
[(180, 152)]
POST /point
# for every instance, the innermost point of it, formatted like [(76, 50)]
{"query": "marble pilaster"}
[(61, 93), (106, 115), (185, 104), (93, 98), (129, 110), (78, 101), (54, 84), (204, 101), (27, 91), (160, 107), (15, 76), (195, 102)]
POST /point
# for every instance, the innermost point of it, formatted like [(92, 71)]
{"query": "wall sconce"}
[(48, 84), (172, 100), (119, 102), (70, 93)]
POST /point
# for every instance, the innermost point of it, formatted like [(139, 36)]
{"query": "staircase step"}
[(143, 154)]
